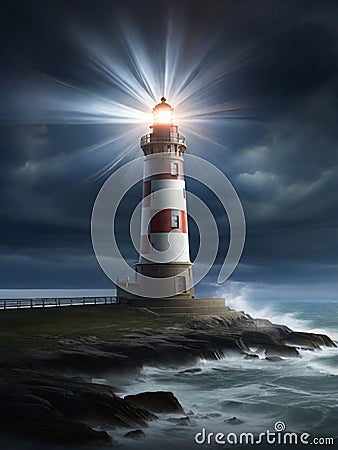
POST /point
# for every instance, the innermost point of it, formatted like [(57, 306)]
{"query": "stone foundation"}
[(181, 306)]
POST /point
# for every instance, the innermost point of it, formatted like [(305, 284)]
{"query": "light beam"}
[(123, 79)]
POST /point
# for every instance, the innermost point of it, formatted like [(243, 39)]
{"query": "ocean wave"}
[(238, 297)]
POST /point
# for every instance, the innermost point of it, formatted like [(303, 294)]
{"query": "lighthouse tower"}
[(163, 281), (164, 244)]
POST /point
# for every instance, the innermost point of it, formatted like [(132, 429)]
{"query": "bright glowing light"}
[(163, 113), (121, 82), (163, 116)]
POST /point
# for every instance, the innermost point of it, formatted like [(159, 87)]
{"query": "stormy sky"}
[(255, 83)]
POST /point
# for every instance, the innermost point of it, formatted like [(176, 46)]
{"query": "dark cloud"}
[(279, 150)]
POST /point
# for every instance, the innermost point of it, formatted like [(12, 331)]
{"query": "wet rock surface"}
[(62, 410), (273, 358), (281, 350), (158, 402), (181, 421), (37, 402), (135, 434), (233, 421)]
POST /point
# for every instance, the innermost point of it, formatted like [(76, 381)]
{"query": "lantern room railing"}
[(170, 137)]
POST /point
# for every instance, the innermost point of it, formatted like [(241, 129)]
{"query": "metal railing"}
[(13, 303), (171, 137)]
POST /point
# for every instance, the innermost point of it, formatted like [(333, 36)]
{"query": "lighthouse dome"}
[(163, 112)]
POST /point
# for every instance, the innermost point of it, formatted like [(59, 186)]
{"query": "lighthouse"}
[(164, 244), (163, 274), (164, 240)]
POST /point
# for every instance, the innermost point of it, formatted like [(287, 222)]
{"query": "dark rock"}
[(69, 432), (182, 421), (160, 401), (156, 351), (18, 410), (278, 331), (56, 431), (18, 406), (134, 434), (196, 324), (251, 356), (144, 331), (233, 421), (8, 389), (191, 371), (65, 400), (75, 399), (90, 360), (281, 350), (328, 342), (257, 338), (102, 405), (142, 351), (228, 343), (175, 355), (50, 408), (47, 413), (309, 340)]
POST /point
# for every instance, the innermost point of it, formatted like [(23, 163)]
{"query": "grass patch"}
[(42, 327)]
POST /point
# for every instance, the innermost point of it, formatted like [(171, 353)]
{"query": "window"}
[(181, 284), (175, 223), (174, 168)]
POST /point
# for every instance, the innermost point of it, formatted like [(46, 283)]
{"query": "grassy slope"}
[(37, 327)]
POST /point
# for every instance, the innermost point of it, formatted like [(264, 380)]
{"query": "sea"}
[(234, 396), (286, 404)]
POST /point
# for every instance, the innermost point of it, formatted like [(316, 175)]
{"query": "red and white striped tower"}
[(164, 245)]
